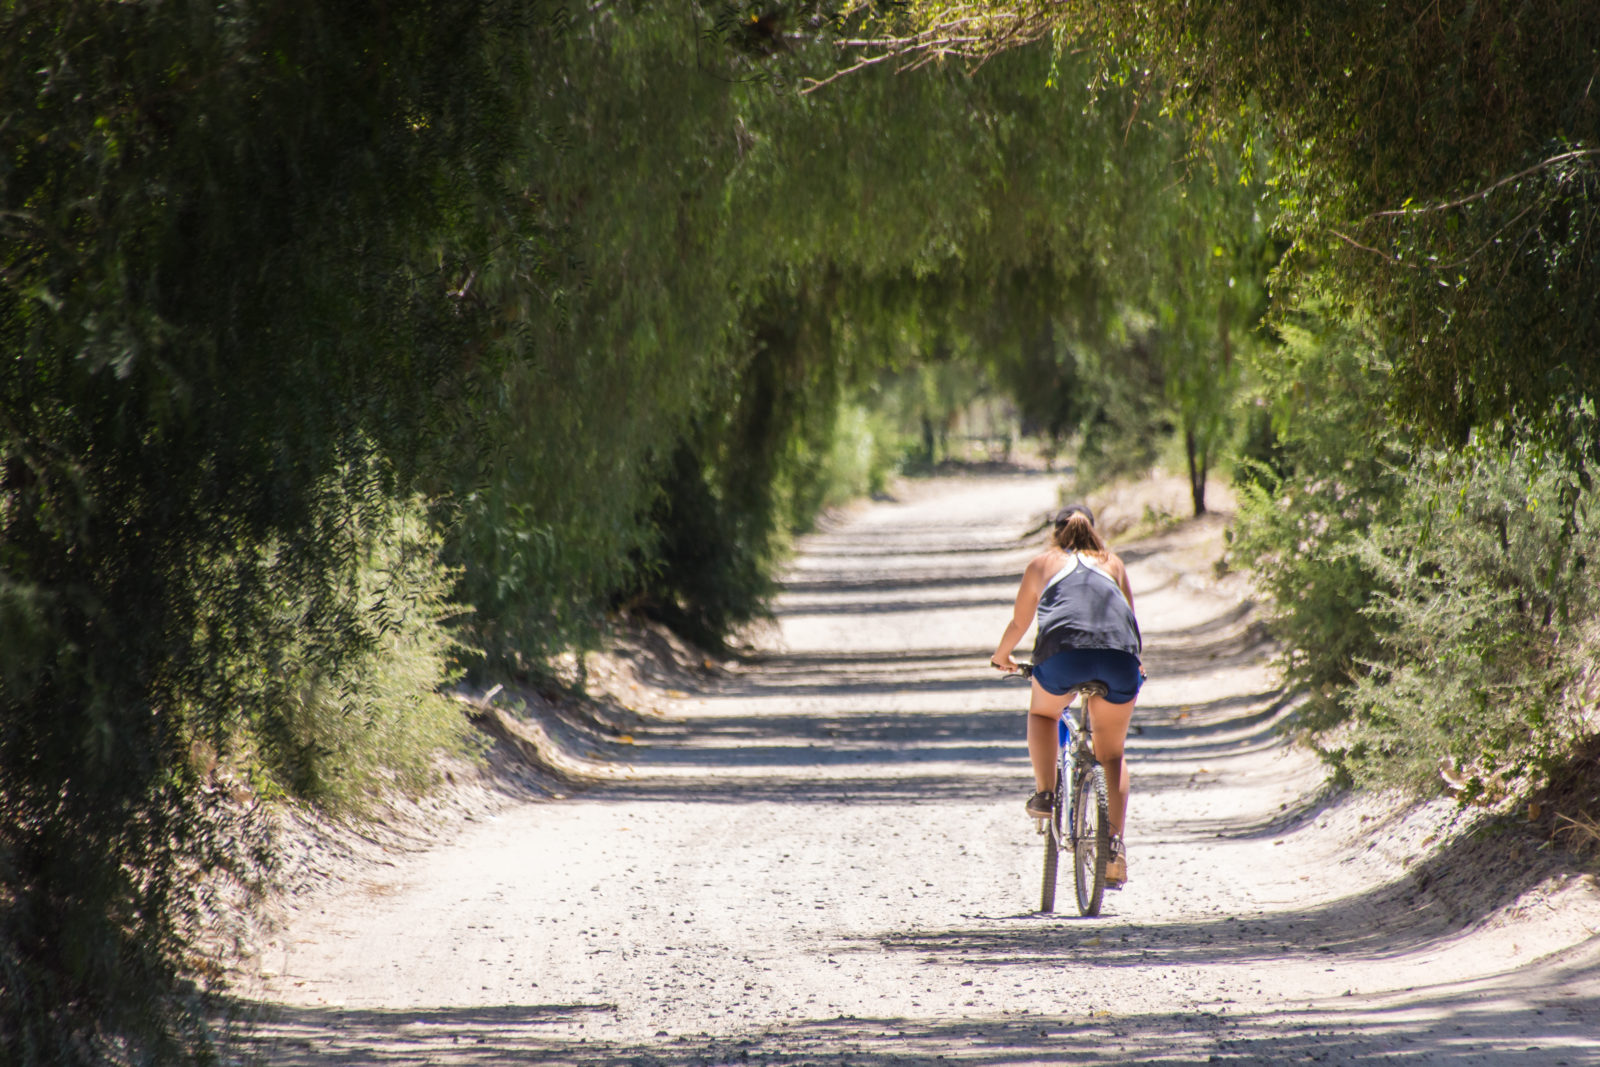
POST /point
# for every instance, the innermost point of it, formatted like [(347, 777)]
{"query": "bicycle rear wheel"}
[(1091, 839)]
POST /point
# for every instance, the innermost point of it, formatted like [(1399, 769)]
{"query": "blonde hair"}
[(1078, 534)]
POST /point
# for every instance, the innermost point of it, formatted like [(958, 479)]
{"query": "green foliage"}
[(925, 402), (1208, 293), (1436, 607), (1493, 299), (614, 322), (753, 469), (337, 734), (1332, 480), (862, 456), (1445, 166), (231, 307), (1440, 168), (709, 571), (915, 223), (1126, 418), (1489, 592)]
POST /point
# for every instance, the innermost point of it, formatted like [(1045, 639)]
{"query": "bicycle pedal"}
[(1040, 824)]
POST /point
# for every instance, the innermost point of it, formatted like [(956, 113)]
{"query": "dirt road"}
[(823, 860)]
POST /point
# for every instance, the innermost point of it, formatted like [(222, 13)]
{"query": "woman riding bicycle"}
[(1077, 591)]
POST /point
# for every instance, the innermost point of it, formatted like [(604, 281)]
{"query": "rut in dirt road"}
[(824, 860)]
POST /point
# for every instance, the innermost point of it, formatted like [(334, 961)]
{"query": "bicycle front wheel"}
[(1054, 839), (1091, 839), (1052, 860)]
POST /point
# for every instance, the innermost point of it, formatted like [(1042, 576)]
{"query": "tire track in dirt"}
[(824, 860)]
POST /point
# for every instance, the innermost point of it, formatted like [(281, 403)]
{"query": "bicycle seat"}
[(1092, 689)]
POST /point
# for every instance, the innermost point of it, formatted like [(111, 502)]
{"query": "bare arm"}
[(1022, 613), (1120, 573)]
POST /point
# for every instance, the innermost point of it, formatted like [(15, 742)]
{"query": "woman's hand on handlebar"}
[(1005, 663)]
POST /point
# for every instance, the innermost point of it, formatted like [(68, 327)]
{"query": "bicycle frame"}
[(1075, 750)]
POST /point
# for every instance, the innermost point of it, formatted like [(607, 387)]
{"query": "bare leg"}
[(1044, 712), (1109, 726)]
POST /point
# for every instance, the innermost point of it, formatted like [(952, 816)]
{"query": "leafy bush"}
[(1489, 596), (1434, 605), (338, 733), (747, 473), (1326, 480), (861, 457), (708, 571)]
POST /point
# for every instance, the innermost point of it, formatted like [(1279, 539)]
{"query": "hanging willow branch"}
[(973, 32), (1564, 157)]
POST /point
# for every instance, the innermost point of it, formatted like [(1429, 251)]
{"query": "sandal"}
[(1116, 864)]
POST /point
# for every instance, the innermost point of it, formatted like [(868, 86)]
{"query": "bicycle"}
[(1080, 818)]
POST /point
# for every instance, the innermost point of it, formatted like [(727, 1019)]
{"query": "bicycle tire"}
[(1052, 860), (1053, 839), (1091, 839)]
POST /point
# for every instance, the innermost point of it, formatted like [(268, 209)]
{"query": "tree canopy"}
[(1436, 165)]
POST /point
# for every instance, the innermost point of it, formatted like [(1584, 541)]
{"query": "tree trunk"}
[(1198, 462)]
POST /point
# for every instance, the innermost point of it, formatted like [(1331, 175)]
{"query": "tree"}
[(1442, 172), (1207, 274), (231, 304)]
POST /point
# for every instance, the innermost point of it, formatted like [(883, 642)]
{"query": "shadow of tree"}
[(881, 606), (1452, 889), (1441, 1024)]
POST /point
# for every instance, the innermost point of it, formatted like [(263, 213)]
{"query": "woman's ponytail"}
[(1077, 534)]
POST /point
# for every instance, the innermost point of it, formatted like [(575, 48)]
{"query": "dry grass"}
[(1580, 832)]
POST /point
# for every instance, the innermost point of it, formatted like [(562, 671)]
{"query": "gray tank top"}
[(1083, 607)]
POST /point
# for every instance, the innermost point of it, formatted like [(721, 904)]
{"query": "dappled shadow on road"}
[(871, 673), (844, 736), (878, 605), (1183, 652), (877, 582), (1225, 715), (760, 755), (865, 684), (899, 790), (1440, 1024), (835, 546), (1454, 888), (757, 757), (877, 672), (796, 738), (829, 662), (774, 759)]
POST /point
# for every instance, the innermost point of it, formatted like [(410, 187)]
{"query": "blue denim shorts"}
[(1118, 671)]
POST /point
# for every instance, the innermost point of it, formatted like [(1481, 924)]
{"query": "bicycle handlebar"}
[(1088, 688)]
